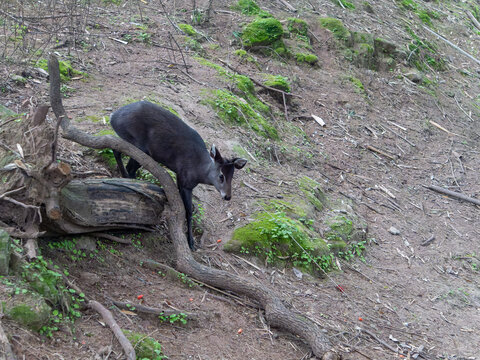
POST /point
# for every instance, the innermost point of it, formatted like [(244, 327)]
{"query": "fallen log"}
[(93, 205)]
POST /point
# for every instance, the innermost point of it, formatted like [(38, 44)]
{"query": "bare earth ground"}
[(405, 294)]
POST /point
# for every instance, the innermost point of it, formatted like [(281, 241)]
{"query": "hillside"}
[(396, 83)]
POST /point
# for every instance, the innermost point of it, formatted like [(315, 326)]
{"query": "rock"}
[(86, 242), (20, 80), (394, 231), (5, 241), (28, 309), (89, 278), (414, 76), (297, 273)]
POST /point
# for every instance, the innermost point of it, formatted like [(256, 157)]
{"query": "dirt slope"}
[(405, 295)]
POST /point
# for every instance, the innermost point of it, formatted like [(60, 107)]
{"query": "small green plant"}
[(423, 54), (186, 280), (144, 37), (173, 318)]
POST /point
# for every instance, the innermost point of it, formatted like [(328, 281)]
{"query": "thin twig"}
[(453, 194), (452, 45)]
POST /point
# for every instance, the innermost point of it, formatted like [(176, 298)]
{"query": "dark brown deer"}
[(171, 142)]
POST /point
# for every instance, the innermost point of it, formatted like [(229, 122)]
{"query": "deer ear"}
[(213, 152), (239, 163)]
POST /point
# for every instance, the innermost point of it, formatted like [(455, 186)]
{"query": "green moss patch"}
[(336, 27), (247, 7), (145, 346), (28, 309), (284, 232), (313, 192), (279, 239), (236, 111), (262, 32), (277, 82), (66, 69), (306, 58), (188, 29), (297, 27)]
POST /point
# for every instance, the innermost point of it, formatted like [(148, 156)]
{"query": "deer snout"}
[(227, 197)]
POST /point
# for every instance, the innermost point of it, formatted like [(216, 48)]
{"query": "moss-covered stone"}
[(28, 309), (336, 27), (313, 192), (310, 59), (236, 111), (277, 82), (278, 239), (297, 26), (262, 32), (145, 346)]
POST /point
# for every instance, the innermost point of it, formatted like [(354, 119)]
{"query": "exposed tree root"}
[(276, 313), (110, 321)]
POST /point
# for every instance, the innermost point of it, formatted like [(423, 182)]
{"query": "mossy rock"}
[(279, 240), (145, 346), (263, 32), (336, 27), (343, 224), (306, 58), (28, 309), (277, 82), (297, 26), (313, 192)]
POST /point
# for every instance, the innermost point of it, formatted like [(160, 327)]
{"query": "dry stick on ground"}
[(107, 316), (452, 45), (473, 19), (276, 313), (453, 194), (6, 352)]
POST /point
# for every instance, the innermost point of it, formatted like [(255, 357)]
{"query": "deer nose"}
[(227, 197)]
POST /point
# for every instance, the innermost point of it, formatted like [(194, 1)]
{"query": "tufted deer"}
[(171, 142)]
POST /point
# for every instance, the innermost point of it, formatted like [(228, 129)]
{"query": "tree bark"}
[(92, 205)]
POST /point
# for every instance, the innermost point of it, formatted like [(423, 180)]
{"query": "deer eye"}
[(221, 177)]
